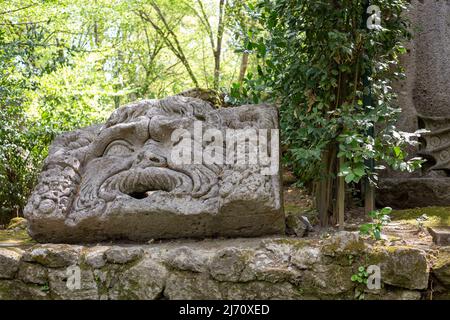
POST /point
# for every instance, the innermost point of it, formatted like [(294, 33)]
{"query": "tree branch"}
[(18, 9), (173, 45)]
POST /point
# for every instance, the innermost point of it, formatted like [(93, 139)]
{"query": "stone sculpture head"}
[(120, 181)]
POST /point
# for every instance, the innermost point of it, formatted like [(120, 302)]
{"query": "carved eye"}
[(118, 148)]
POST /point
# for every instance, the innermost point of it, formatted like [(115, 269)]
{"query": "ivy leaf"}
[(365, 228), (350, 177), (398, 152), (359, 171), (373, 214)]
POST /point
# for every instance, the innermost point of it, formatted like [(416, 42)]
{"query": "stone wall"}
[(264, 268), (424, 98)]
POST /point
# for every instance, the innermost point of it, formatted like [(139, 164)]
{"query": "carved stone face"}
[(129, 163), (119, 181)]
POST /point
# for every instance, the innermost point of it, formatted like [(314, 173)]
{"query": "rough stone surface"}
[(95, 257), (441, 235), (122, 180), (403, 267), (401, 193), (123, 255), (17, 290), (58, 289), (9, 262), (441, 268), (425, 102), (17, 224), (133, 285), (53, 256), (33, 273), (298, 225), (260, 268)]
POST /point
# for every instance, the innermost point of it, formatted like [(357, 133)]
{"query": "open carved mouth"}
[(140, 195), (141, 183)]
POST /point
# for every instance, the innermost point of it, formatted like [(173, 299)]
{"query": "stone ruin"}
[(120, 181), (424, 98)]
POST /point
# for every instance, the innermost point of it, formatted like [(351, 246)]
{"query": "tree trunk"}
[(218, 50), (326, 187), (244, 66), (96, 35)]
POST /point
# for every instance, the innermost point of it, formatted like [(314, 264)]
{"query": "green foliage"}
[(20, 149), (360, 278), (45, 287), (32, 108), (314, 56), (379, 218), (250, 91)]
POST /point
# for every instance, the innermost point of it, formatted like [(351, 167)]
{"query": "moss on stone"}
[(338, 249), (442, 259), (295, 243), (17, 290), (292, 208), (437, 216), (12, 237), (17, 223), (5, 290)]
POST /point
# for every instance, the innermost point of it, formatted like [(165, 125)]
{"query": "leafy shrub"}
[(379, 218), (314, 55)]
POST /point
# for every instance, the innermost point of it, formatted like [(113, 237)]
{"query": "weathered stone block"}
[(403, 267), (95, 257), (17, 290), (53, 256), (122, 255), (441, 235), (261, 268), (166, 168), (403, 193), (32, 273), (59, 289), (9, 262), (144, 281), (441, 267)]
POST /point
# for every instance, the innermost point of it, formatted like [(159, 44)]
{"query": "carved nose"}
[(150, 159)]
